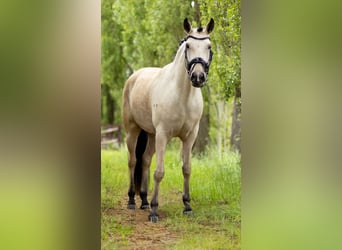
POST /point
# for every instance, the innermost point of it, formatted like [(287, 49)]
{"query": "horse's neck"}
[(183, 84)]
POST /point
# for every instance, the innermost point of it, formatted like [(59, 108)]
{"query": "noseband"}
[(189, 65)]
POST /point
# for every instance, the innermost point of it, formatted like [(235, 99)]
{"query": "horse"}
[(162, 103)]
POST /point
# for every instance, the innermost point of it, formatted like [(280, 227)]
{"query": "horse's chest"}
[(178, 118)]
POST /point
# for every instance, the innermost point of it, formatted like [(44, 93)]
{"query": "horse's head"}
[(198, 53)]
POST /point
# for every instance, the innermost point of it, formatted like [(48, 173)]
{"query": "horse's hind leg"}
[(147, 158), (132, 136)]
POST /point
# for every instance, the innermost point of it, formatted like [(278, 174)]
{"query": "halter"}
[(189, 65)]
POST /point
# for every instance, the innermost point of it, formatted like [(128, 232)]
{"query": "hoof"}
[(131, 206), (145, 206), (187, 211), (153, 218)]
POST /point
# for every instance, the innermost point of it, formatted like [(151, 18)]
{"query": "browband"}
[(197, 38), (189, 36)]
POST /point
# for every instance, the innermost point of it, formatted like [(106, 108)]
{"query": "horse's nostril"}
[(193, 77), (197, 79)]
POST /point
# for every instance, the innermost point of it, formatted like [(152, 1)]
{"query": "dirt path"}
[(145, 235)]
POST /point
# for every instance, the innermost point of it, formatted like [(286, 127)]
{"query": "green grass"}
[(114, 174), (215, 188)]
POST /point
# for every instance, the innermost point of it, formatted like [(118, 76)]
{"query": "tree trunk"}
[(197, 13), (219, 119), (203, 135), (110, 108), (236, 123)]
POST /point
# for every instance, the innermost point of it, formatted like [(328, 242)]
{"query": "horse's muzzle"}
[(198, 79)]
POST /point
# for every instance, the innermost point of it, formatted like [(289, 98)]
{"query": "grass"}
[(215, 188)]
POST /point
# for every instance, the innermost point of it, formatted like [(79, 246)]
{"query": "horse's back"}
[(136, 99), (141, 76)]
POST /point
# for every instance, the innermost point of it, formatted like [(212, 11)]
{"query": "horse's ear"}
[(187, 25), (210, 26)]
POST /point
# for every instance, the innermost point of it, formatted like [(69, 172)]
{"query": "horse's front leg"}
[(186, 156), (161, 141)]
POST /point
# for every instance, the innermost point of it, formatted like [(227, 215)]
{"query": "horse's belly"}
[(140, 104), (143, 117)]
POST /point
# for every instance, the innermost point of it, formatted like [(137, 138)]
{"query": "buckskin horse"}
[(161, 103)]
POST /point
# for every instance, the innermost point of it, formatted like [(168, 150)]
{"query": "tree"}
[(227, 65), (113, 64)]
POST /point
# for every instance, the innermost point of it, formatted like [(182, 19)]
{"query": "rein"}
[(189, 65)]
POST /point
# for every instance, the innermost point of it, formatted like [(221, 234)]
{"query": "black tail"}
[(139, 151)]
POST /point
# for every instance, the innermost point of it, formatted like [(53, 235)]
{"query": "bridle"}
[(189, 65)]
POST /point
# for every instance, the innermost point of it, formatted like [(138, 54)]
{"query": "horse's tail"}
[(139, 151)]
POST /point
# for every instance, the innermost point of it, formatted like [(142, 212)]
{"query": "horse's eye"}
[(187, 46), (209, 47)]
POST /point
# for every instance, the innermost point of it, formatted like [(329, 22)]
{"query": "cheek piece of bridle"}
[(189, 65)]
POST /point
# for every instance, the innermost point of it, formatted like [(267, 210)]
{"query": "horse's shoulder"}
[(141, 75), (144, 73)]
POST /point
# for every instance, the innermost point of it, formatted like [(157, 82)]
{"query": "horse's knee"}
[(147, 162), (132, 162), (186, 170), (158, 175)]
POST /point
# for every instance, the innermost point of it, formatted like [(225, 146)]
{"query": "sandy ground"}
[(146, 235)]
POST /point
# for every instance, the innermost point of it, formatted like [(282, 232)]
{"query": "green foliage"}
[(151, 30), (227, 45), (225, 71)]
